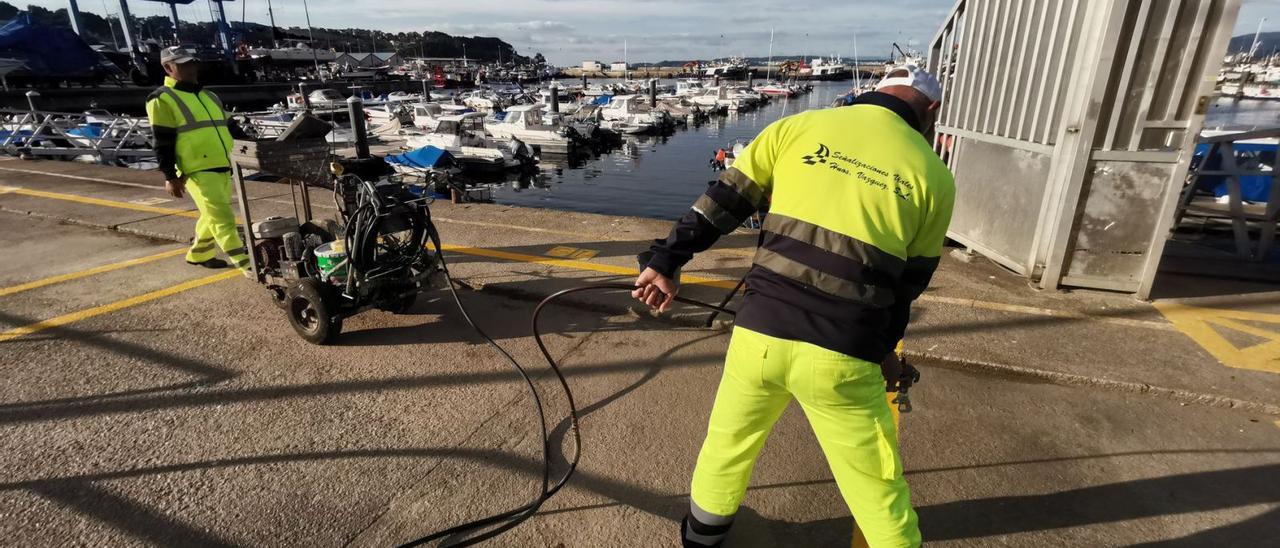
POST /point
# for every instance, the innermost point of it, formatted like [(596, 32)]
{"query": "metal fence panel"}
[(1069, 125)]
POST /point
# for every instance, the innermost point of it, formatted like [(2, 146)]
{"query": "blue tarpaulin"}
[(425, 157), (47, 51), (1253, 188)]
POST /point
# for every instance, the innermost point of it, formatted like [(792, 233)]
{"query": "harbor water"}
[(654, 176), (659, 177)]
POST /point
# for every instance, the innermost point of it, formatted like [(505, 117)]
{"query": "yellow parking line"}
[(105, 203), (580, 265), (88, 272), (115, 306), (729, 284)]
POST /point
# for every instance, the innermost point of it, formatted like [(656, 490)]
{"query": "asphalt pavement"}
[(148, 402)]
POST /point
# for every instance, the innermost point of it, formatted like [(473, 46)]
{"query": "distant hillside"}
[(428, 43), (1268, 42)]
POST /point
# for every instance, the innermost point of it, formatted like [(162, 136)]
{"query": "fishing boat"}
[(529, 124), (832, 69), (732, 69), (463, 136)]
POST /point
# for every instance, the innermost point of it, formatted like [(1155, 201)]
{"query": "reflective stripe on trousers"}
[(211, 191), (843, 398)]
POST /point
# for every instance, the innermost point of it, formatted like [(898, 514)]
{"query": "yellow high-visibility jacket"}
[(858, 207), (190, 129)]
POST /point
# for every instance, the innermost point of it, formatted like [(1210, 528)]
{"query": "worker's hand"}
[(655, 290), (175, 186), (891, 368)]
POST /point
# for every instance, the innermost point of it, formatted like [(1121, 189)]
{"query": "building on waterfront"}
[(359, 60), (591, 66), (618, 66)]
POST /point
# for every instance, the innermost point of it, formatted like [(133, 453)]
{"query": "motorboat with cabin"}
[(463, 136)]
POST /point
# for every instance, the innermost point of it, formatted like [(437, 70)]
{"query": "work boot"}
[(694, 534), (211, 263)]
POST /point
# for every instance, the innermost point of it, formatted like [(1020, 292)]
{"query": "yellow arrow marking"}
[(566, 252), (1197, 323)]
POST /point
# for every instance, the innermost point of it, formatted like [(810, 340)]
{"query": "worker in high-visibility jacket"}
[(858, 207), (193, 147)]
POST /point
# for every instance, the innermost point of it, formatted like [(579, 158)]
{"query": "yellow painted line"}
[(1035, 311), (580, 265), (106, 203), (1277, 423), (115, 306), (585, 236), (1198, 324), (729, 284), (88, 272)]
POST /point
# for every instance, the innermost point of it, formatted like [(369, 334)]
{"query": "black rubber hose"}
[(511, 518)]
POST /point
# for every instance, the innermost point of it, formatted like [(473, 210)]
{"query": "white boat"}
[(463, 135), (776, 89), (427, 115), (718, 97), (544, 95), (320, 98), (388, 112), (528, 124), (689, 87), (629, 115)]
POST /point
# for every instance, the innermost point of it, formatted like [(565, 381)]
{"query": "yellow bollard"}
[(860, 541)]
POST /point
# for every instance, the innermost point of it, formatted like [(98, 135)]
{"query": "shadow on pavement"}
[(206, 373)]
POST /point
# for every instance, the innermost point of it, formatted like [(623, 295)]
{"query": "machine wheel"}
[(279, 296), (311, 314)]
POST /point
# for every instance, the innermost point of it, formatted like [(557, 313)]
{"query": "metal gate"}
[(1069, 125)]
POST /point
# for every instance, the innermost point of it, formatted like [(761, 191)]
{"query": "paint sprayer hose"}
[(482, 529)]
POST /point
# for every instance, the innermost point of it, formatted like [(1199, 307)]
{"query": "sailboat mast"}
[(768, 67), (857, 71), (272, 16), (624, 60), (311, 39)]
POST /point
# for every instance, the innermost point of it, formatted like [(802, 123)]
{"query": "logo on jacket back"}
[(860, 170), (819, 157)]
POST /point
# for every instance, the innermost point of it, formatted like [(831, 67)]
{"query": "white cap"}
[(913, 77), (176, 54)]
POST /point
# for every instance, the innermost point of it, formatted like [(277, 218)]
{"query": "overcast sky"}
[(569, 31)]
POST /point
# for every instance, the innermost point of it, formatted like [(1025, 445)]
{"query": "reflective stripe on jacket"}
[(858, 208), (197, 119)]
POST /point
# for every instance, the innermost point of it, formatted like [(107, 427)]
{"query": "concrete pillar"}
[(555, 97), (653, 92), (126, 25), (73, 11), (584, 80), (173, 12), (355, 109)]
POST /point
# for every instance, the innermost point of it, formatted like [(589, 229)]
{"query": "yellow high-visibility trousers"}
[(211, 192), (844, 400)]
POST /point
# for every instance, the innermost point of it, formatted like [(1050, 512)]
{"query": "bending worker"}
[(193, 146), (858, 208)]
